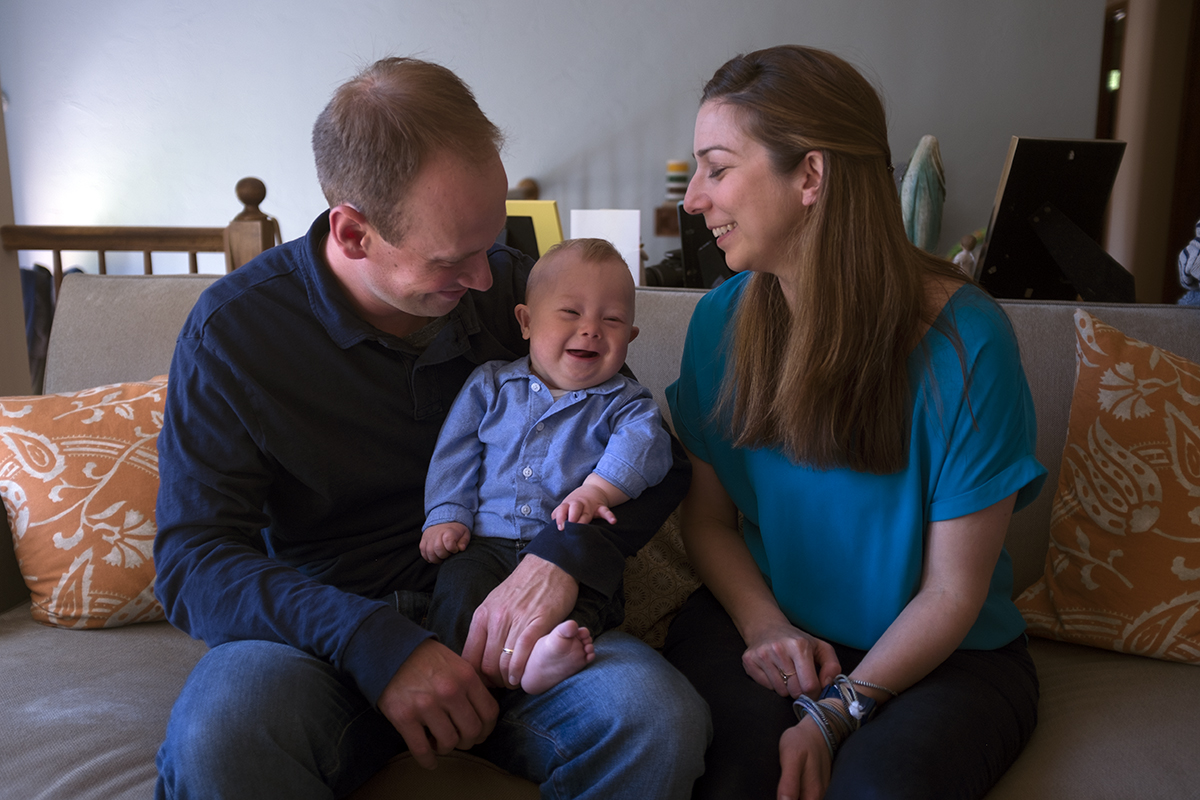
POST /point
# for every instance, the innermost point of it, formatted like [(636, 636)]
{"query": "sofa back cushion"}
[(662, 317), (138, 319), (117, 328)]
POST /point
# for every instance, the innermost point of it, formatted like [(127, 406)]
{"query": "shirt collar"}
[(520, 370)]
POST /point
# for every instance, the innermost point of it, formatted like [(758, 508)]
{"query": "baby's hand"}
[(581, 505), (443, 540)]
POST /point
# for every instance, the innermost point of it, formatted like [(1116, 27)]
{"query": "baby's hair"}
[(589, 251)]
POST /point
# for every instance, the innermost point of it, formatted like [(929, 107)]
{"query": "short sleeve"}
[(692, 397), (981, 445)]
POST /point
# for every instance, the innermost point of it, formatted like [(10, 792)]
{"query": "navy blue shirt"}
[(293, 460)]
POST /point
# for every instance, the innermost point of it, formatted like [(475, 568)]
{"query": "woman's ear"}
[(347, 230), (808, 176)]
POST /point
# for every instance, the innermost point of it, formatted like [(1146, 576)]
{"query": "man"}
[(307, 391)]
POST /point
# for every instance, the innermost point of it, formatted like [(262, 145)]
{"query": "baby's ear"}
[(522, 312), (633, 332)]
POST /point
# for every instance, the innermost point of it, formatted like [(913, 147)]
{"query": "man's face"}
[(452, 216)]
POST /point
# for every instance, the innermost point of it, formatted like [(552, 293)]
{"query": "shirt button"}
[(537, 387), (541, 426), (527, 472), (525, 510)]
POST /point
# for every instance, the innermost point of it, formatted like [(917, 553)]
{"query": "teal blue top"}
[(843, 550)]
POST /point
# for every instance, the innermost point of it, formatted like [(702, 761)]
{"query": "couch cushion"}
[(458, 776), (662, 317), (85, 711), (1123, 567), (1109, 726), (117, 328), (79, 481)]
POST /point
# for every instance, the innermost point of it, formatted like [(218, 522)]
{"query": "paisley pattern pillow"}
[(1123, 567), (79, 481)]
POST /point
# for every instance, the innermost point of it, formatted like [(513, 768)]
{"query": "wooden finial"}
[(526, 189), (251, 192)]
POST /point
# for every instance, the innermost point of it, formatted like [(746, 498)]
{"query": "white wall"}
[(148, 111)]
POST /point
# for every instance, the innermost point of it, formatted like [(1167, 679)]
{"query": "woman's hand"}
[(778, 655), (789, 661), (805, 761)]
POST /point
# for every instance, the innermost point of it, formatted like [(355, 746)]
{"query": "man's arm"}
[(214, 577)]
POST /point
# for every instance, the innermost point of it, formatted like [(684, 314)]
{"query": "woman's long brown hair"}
[(826, 380)]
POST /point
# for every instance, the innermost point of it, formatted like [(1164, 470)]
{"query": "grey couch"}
[(82, 712)]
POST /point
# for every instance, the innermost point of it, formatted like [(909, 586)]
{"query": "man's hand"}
[(437, 702), (532, 600), (443, 540)]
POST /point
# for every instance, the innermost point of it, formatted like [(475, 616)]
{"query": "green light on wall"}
[(1114, 79)]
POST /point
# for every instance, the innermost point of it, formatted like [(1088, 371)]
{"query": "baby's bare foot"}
[(557, 656)]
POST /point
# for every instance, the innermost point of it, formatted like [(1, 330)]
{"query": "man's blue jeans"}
[(259, 719)]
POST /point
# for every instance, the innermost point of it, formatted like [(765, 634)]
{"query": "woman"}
[(862, 407)]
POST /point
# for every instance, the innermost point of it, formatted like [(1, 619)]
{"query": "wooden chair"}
[(247, 235)]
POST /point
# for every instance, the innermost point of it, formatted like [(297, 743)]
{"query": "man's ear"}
[(808, 176), (347, 230), (522, 312), (633, 332)]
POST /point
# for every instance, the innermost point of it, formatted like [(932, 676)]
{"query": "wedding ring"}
[(785, 676), (506, 650)]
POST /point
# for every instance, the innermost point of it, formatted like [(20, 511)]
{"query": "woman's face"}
[(752, 210)]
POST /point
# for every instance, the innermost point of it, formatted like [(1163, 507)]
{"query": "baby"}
[(557, 436)]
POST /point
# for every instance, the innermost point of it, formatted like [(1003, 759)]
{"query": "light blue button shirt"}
[(509, 451)]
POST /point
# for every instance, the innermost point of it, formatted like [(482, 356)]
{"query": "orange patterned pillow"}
[(1123, 568), (79, 480)]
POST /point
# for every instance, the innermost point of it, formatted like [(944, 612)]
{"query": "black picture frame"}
[(1074, 177)]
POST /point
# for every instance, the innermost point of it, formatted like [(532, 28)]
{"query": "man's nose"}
[(477, 273)]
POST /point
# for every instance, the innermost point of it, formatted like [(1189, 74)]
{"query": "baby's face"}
[(580, 323)]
